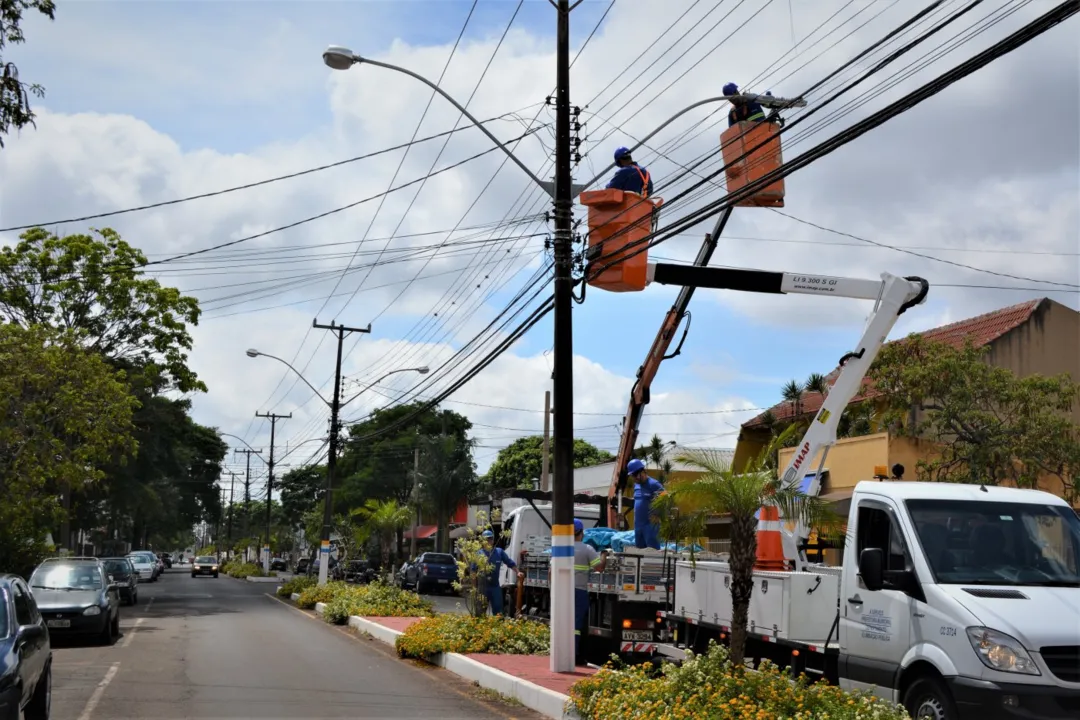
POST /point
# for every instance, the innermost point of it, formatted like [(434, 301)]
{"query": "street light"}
[(331, 458), (423, 370)]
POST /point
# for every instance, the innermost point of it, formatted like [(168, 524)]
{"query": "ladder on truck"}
[(892, 296)]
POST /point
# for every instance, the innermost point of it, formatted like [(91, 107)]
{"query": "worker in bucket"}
[(497, 557), (741, 108), (586, 559), (630, 177), (646, 530)]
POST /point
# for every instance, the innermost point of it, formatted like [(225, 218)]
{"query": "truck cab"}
[(962, 600)]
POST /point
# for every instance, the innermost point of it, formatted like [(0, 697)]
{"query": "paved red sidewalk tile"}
[(534, 668), (395, 623)]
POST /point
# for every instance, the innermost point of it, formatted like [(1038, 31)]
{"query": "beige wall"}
[(850, 460)]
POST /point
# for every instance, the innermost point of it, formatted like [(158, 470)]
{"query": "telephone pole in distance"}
[(270, 482)]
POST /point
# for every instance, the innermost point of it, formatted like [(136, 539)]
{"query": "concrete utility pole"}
[(247, 495), (545, 472), (270, 482), (415, 499), (331, 458), (562, 512), (232, 489)]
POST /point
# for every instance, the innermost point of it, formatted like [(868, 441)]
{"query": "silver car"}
[(144, 566)]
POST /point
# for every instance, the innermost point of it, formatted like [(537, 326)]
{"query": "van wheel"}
[(928, 699)]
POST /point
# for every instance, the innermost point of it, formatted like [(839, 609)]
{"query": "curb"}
[(539, 699), (252, 578)]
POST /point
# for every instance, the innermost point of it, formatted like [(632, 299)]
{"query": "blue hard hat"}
[(578, 527), (731, 89), (487, 534), (621, 153), (635, 466)]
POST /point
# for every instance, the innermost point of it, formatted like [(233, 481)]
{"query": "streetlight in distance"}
[(335, 405)]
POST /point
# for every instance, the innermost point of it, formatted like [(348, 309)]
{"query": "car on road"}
[(165, 560), (279, 564), (154, 560), (143, 566), (432, 572), (25, 654), (123, 574), (206, 565), (76, 598), (302, 565)]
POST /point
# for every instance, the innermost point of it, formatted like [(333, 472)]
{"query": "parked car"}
[(205, 565), (25, 653), (143, 566), (432, 572), (359, 571), (154, 560), (165, 560), (123, 573), (76, 598), (302, 565), (279, 564)]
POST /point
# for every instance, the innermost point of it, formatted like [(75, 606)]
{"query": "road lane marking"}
[(131, 633), (92, 703)]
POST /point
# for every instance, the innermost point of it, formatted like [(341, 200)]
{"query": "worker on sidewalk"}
[(742, 109), (586, 560), (646, 530), (630, 177), (497, 557)]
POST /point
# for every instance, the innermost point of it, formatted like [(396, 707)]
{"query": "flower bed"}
[(468, 634), (324, 594), (374, 600), (297, 585), (242, 570), (708, 686)]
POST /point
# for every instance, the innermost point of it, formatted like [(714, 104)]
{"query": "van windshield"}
[(996, 543)]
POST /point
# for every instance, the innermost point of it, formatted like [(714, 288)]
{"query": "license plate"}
[(58, 623), (444, 581), (637, 635)]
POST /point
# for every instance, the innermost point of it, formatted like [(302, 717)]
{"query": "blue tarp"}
[(602, 538)]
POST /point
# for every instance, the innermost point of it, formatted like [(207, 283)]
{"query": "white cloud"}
[(955, 172)]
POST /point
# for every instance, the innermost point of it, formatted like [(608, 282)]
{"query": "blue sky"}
[(155, 100)]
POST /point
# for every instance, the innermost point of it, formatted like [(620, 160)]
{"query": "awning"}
[(423, 532)]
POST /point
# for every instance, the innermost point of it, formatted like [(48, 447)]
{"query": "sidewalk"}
[(526, 678)]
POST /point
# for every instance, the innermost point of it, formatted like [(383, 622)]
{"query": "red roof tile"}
[(982, 329)]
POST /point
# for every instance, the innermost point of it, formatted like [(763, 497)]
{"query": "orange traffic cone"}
[(770, 545)]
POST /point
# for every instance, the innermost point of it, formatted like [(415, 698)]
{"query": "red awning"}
[(422, 532)]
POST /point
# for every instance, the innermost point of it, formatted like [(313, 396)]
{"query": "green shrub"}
[(298, 584), (709, 686), (242, 570), (375, 600), (315, 594), (470, 634)]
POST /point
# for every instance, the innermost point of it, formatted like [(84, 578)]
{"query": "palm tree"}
[(382, 519), (448, 475), (792, 393), (654, 453), (817, 383), (720, 490)]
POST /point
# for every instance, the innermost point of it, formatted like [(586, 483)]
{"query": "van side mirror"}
[(872, 568)]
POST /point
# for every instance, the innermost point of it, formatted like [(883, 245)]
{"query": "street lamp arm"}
[(286, 364), (673, 118), (422, 371), (358, 59)]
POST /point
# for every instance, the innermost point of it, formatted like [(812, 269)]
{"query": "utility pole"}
[(232, 488), (562, 513), (247, 495), (270, 482), (545, 472), (331, 458), (415, 499)]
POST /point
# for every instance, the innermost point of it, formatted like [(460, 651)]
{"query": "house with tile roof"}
[(1037, 337)]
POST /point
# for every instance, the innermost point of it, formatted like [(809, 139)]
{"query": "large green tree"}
[(65, 414), (15, 111), (302, 490), (447, 477), (93, 284), (989, 425), (522, 460)]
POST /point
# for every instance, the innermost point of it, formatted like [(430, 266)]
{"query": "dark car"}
[(302, 565), (432, 572), (76, 598), (359, 571), (205, 565), (123, 574), (279, 564), (25, 654), (166, 560)]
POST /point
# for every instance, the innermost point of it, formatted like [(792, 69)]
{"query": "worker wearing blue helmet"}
[(497, 557), (630, 176), (741, 109), (646, 530)]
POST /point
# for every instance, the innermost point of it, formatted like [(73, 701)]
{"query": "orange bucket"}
[(735, 142), (618, 223)]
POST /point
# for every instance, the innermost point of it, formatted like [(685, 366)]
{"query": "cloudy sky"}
[(975, 189)]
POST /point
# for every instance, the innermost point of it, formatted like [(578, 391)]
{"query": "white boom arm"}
[(894, 295)]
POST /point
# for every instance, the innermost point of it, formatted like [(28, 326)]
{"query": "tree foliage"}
[(989, 425), (447, 476), (92, 284), (522, 460), (15, 111), (64, 416), (302, 491)]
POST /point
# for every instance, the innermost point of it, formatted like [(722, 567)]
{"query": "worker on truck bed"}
[(646, 530), (586, 560), (742, 109), (496, 557), (630, 177)]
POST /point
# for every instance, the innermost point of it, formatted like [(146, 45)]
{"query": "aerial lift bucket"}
[(619, 222), (735, 142)]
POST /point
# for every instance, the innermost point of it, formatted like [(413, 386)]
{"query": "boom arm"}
[(894, 295), (639, 395)]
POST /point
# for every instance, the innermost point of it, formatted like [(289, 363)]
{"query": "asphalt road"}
[(222, 648)]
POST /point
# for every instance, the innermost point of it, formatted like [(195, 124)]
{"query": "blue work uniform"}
[(646, 532), (747, 111), (632, 178), (492, 590)]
